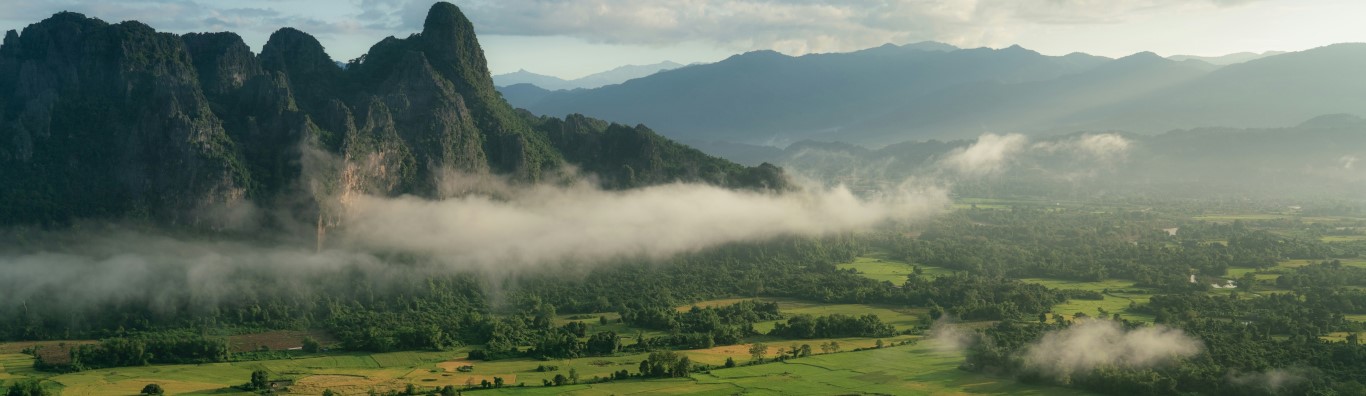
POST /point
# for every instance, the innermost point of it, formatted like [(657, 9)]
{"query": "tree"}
[(153, 389), (806, 350), (1247, 281), (757, 351), (603, 343), (879, 344), (449, 391), (682, 367), (311, 345), (834, 346), (260, 379), (329, 392), (498, 381), (26, 388), (573, 375), (560, 379), (730, 362), (410, 390)]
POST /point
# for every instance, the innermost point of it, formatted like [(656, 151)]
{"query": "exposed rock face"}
[(101, 120), (104, 119)]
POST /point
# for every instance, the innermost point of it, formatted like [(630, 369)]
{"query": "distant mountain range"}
[(1225, 60), (1316, 158), (893, 93), (615, 76)]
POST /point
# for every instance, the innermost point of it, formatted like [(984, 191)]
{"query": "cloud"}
[(1273, 382), (946, 336), (790, 26), (1105, 147), (989, 155), (492, 228), (1092, 343), (76, 269), (1348, 161), (801, 26), (527, 225)]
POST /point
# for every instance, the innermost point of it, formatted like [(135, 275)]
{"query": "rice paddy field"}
[(880, 267), (1118, 295), (908, 370), (916, 369)]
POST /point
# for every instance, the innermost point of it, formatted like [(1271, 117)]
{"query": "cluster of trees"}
[(140, 350), (1271, 343), (1085, 246), (26, 388), (1323, 275), (665, 363), (1237, 360), (833, 326)]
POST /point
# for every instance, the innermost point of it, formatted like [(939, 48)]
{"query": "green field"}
[(1226, 218), (902, 318), (917, 369), (1121, 294), (908, 370), (882, 268), (1343, 238), (1236, 273)]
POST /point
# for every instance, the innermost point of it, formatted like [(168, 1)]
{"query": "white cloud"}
[(989, 155), (1092, 343), (801, 26), (527, 225)]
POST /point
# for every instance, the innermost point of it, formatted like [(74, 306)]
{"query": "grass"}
[(880, 267), (908, 370), (1225, 218), (1121, 294), (1337, 336), (1237, 272), (902, 318), (1343, 238), (898, 370), (1292, 264)]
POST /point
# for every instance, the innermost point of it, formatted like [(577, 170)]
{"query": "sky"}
[(573, 38)]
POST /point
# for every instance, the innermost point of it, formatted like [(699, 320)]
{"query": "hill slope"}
[(117, 120), (764, 95)]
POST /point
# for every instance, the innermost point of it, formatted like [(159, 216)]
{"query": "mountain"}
[(1274, 91), (894, 93), (622, 74), (1316, 158), (765, 96), (524, 93), (102, 120), (970, 109), (617, 75), (1225, 60), (523, 76)]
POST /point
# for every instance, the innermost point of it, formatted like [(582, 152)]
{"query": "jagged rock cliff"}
[(115, 120)]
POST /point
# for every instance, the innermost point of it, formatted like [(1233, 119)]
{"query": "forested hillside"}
[(102, 120)]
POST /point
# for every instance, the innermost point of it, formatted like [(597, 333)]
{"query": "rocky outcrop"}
[(104, 119), (100, 120)]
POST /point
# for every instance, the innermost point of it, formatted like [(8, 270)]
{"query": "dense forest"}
[(1263, 326)]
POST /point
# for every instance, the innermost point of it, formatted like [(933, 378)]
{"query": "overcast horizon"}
[(573, 39)]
